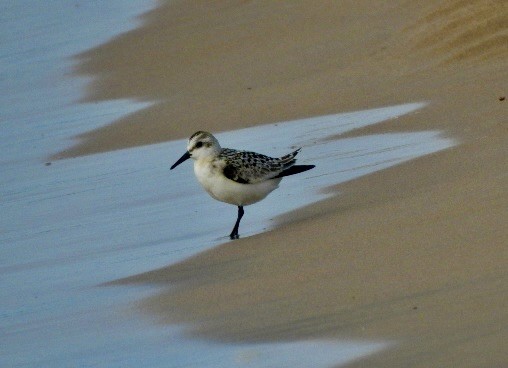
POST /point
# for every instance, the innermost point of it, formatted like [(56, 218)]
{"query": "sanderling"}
[(236, 177)]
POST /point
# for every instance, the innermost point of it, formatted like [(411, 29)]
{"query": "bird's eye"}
[(199, 144)]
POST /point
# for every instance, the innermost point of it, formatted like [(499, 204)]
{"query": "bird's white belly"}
[(229, 191)]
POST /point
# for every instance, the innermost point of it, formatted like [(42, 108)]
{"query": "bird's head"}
[(200, 145)]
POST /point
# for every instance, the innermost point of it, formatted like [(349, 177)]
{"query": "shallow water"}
[(81, 222), (70, 226)]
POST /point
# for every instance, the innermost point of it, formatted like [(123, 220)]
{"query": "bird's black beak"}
[(185, 156)]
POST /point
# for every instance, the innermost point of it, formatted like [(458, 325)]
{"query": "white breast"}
[(223, 189)]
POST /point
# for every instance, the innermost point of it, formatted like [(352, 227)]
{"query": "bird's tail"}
[(288, 163), (295, 169), (289, 159)]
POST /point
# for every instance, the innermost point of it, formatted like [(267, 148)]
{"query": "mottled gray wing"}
[(250, 167)]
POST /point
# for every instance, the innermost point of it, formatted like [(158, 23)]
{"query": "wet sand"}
[(415, 254)]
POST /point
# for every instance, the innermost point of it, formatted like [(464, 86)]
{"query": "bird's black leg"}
[(234, 233)]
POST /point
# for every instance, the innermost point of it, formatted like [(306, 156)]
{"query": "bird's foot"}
[(233, 236)]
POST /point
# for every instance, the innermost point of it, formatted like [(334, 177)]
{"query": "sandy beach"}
[(416, 254)]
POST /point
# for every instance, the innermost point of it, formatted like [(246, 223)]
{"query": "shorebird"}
[(236, 177)]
